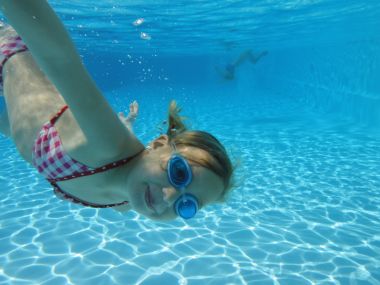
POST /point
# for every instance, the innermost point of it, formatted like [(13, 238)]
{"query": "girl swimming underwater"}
[(62, 124)]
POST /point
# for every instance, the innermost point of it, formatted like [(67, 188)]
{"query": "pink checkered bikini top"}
[(10, 47), (56, 165)]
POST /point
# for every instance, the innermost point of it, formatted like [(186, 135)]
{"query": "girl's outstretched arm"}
[(56, 55)]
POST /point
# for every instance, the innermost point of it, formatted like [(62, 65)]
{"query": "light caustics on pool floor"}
[(307, 212)]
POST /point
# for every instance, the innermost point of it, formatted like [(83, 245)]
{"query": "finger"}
[(133, 108), (136, 105)]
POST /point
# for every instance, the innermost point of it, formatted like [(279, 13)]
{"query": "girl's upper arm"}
[(56, 55)]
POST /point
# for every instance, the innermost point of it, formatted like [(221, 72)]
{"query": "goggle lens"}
[(179, 172), (186, 206)]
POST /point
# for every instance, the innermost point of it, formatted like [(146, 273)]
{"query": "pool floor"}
[(306, 211)]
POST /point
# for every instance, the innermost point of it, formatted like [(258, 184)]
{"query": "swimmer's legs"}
[(248, 55), (242, 58), (254, 58)]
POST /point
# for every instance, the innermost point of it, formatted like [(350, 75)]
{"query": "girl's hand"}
[(133, 111), (132, 115)]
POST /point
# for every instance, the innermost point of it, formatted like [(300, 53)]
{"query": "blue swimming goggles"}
[(180, 176)]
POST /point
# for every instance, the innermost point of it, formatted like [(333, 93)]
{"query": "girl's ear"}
[(160, 141)]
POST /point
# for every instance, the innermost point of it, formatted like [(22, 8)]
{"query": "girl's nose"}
[(169, 194)]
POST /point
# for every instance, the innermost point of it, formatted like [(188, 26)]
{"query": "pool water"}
[(302, 127)]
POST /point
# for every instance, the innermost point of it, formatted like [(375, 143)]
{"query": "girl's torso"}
[(32, 101)]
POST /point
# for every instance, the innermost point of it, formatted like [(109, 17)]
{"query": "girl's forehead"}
[(192, 150), (194, 154), (206, 185)]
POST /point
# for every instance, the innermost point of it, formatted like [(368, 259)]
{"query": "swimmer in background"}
[(62, 124), (228, 72)]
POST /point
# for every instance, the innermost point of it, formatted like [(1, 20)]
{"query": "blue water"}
[(302, 125)]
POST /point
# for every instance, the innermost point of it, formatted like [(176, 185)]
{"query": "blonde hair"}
[(217, 161)]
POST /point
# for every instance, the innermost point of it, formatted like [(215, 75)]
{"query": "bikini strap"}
[(65, 196), (103, 168), (60, 112)]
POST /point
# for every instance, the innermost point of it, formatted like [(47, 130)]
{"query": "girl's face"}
[(153, 196)]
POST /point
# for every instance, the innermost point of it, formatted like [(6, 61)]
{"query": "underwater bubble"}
[(145, 36), (138, 22)]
